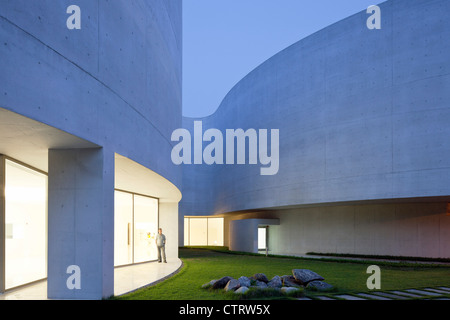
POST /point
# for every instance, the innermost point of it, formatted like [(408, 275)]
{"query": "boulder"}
[(260, 285), (304, 276), (261, 277), (289, 281), (209, 284), (221, 283), (286, 284), (319, 285), (275, 282), (232, 285), (244, 281), (242, 290)]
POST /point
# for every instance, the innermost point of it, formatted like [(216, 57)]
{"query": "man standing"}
[(160, 244)]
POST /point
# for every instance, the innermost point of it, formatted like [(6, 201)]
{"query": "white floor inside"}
[(126, 279)]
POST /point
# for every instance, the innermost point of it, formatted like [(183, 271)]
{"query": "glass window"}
[(186, 231), (203, 231), (25, 225), (215, 231), (198, 233), (135, 228), (262, 238), (145, 228), (123, 228)]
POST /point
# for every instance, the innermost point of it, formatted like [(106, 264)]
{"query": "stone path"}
[(438, 293)]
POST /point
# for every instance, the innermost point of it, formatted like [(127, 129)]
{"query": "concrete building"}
[(90, 96), (89, 99), (364, 154)]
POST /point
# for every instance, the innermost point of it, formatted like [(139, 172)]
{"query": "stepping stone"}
[(389, 295), (423, 292), (437, 290), (406, 294), (324, 298), (372, 296), (444, 288), (304, 298), (349, 297)]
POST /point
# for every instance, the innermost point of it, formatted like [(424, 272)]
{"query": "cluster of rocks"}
[(300, 279)]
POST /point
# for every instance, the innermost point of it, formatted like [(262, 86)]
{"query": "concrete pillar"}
[(244, 235), (80, 224)]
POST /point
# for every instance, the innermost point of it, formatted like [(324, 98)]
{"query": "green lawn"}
[(201, 266)]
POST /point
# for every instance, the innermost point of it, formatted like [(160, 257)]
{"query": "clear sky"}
[(223, 40)]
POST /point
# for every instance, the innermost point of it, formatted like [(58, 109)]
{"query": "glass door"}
[(135, 228), (123, 228), (145, 228), (25, 225)]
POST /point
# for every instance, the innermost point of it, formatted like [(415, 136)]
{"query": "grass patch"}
[(202, 265)]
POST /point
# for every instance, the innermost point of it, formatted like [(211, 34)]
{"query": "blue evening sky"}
[(223, 40)]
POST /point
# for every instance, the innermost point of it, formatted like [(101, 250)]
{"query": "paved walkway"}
[(437, 293)]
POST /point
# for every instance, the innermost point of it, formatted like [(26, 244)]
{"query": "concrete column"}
[(80, 224), (244, 235)]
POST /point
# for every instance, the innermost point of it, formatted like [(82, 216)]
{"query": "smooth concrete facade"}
[(363, 118), (94, 108), (400, 229)]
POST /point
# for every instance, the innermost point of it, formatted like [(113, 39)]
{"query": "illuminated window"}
[(262, 238), (135, 228), (123, 228), (215, 231), (145, 228), (203, 231), (198, 232), (25, 229)]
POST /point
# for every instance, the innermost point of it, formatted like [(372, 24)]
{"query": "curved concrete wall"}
[(363, 115), (116, 82), (97, 106)]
